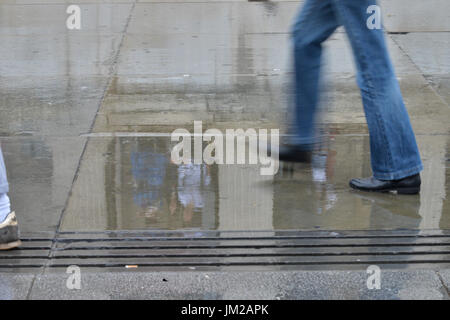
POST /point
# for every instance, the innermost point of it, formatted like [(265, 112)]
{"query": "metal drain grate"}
[(279, 250)]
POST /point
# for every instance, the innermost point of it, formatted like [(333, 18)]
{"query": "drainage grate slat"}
[(183, 265), (245, 252), (293, 250)]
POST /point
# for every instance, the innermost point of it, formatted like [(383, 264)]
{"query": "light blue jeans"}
[(3, 181), (393, 147)]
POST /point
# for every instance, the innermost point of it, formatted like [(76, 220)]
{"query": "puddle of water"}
[(130, 183)]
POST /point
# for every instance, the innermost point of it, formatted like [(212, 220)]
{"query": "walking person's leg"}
[(4, 188), (9, 232), (395, 157), (315, 22)]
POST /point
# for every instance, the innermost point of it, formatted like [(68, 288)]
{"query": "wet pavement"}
[(129, 183), (86, 117)]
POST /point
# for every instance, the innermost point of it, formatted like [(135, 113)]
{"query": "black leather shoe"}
[(294, 154), (408, 185)]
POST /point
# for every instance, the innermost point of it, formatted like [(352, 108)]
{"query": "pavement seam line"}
[(112, 71), (444, 287), (420, 72), (30, 289)]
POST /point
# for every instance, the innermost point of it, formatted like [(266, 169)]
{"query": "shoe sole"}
[(10, 245), (408, 190), (412, 190), (296, 160)]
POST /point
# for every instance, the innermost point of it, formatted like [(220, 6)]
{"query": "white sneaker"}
[(9, 233)]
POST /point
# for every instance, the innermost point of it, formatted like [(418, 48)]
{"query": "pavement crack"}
[(444, 288)]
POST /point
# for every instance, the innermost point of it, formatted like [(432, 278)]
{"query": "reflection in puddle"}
[(129, 183), (156, 192), (193, 179)]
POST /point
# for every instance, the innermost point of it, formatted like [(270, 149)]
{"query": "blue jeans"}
[(393, 147), (3, 180)]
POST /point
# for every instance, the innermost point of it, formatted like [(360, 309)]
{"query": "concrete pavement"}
[(82, 110), (280, 285)]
